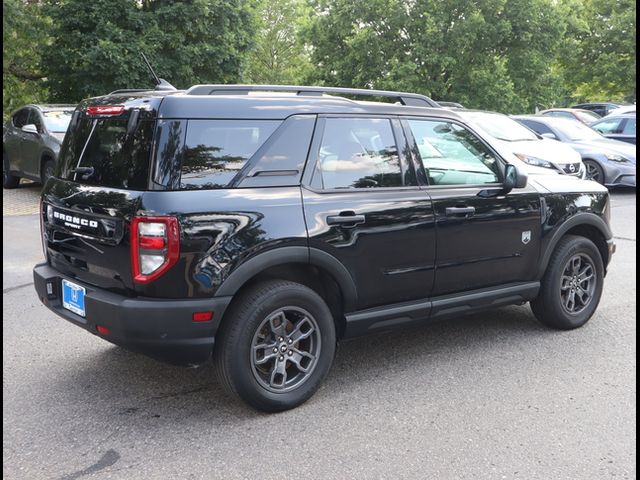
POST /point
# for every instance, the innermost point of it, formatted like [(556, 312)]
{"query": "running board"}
[(438, 308)]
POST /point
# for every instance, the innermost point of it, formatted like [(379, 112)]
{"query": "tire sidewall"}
[(239, 349), (577, 246)]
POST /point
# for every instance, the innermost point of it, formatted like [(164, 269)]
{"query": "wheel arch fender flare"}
[(579, 219), (287, 255)]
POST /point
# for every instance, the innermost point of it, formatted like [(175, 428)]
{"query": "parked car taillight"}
[(155, 246)]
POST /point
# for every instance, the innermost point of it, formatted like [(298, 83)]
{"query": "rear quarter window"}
[(215, 151)]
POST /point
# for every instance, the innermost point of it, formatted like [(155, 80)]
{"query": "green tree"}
[(278, 56), (494, 54), (24, 31), (96, 45), (600, 63)]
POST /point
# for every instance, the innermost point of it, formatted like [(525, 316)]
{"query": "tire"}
[(8, 180), (47, 169), (594, 171), (562, 282), (275, 380)]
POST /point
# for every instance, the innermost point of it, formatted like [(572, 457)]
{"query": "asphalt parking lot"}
[(489, 396)]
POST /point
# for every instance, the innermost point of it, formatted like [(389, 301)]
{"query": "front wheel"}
[(276, 345), (572, 285), (594, 171)]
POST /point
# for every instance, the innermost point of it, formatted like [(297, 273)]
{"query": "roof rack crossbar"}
[(409, 99)]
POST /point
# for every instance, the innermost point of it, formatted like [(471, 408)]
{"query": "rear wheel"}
[(572, 285), (594, 171), (276, 345), (8, 180), (46, 172)]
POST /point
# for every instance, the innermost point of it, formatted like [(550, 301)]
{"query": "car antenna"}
[(161, 83)]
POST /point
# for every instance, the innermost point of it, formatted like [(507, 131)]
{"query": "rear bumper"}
[(161, 328)]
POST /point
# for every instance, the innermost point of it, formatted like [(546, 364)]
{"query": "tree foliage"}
[(600, 63), (96, 45), (24, 32), (485, 54), (278, 56), (504, 55)]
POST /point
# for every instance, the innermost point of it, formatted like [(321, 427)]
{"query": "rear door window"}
[(216, 150), (359, 153)]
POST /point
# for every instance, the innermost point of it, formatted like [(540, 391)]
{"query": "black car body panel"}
[(405, 251)]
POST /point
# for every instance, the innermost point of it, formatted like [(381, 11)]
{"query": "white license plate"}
[(73, 297)]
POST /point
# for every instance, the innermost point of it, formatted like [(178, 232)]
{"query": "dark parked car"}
[(31, 141), (609, 162), (617, 127), (263, 228), (584, 116), (602, 108)]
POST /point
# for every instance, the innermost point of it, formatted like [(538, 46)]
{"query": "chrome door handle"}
[(460, 211), (346, 219)]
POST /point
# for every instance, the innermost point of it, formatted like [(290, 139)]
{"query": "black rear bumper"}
[(161, 328)]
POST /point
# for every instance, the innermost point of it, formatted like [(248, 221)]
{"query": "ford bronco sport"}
[(258, 225)]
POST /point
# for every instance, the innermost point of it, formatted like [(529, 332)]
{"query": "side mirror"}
[(513, 178), (549, 135), (30, 128)]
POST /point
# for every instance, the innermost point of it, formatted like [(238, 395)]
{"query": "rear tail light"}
[(99, 110), (155, 247)]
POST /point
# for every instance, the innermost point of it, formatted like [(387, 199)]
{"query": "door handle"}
[(460, 211), (346, 219)]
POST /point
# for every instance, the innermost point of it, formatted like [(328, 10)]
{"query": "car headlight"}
[(614, 157), (535, 161)]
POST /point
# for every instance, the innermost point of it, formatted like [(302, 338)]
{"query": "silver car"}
[(31, 142), (609, 162)]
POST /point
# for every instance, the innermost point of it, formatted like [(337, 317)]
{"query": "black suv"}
[(263, 224)]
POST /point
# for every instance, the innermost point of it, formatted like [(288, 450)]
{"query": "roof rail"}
[(410, 99), (131, 90)]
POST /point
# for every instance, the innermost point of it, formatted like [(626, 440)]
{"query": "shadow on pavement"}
[(133, 384)]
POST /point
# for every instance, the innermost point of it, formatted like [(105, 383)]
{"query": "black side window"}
[(537, 127), (280, 161), (20, 118), (216, 150), (358, 153)]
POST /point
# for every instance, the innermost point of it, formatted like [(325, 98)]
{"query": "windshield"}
[(57, 121), (575, 131), (501, 127), (587, 117)]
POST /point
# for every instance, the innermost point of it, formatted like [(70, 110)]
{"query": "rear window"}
[(118, 160), (216, 150)]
